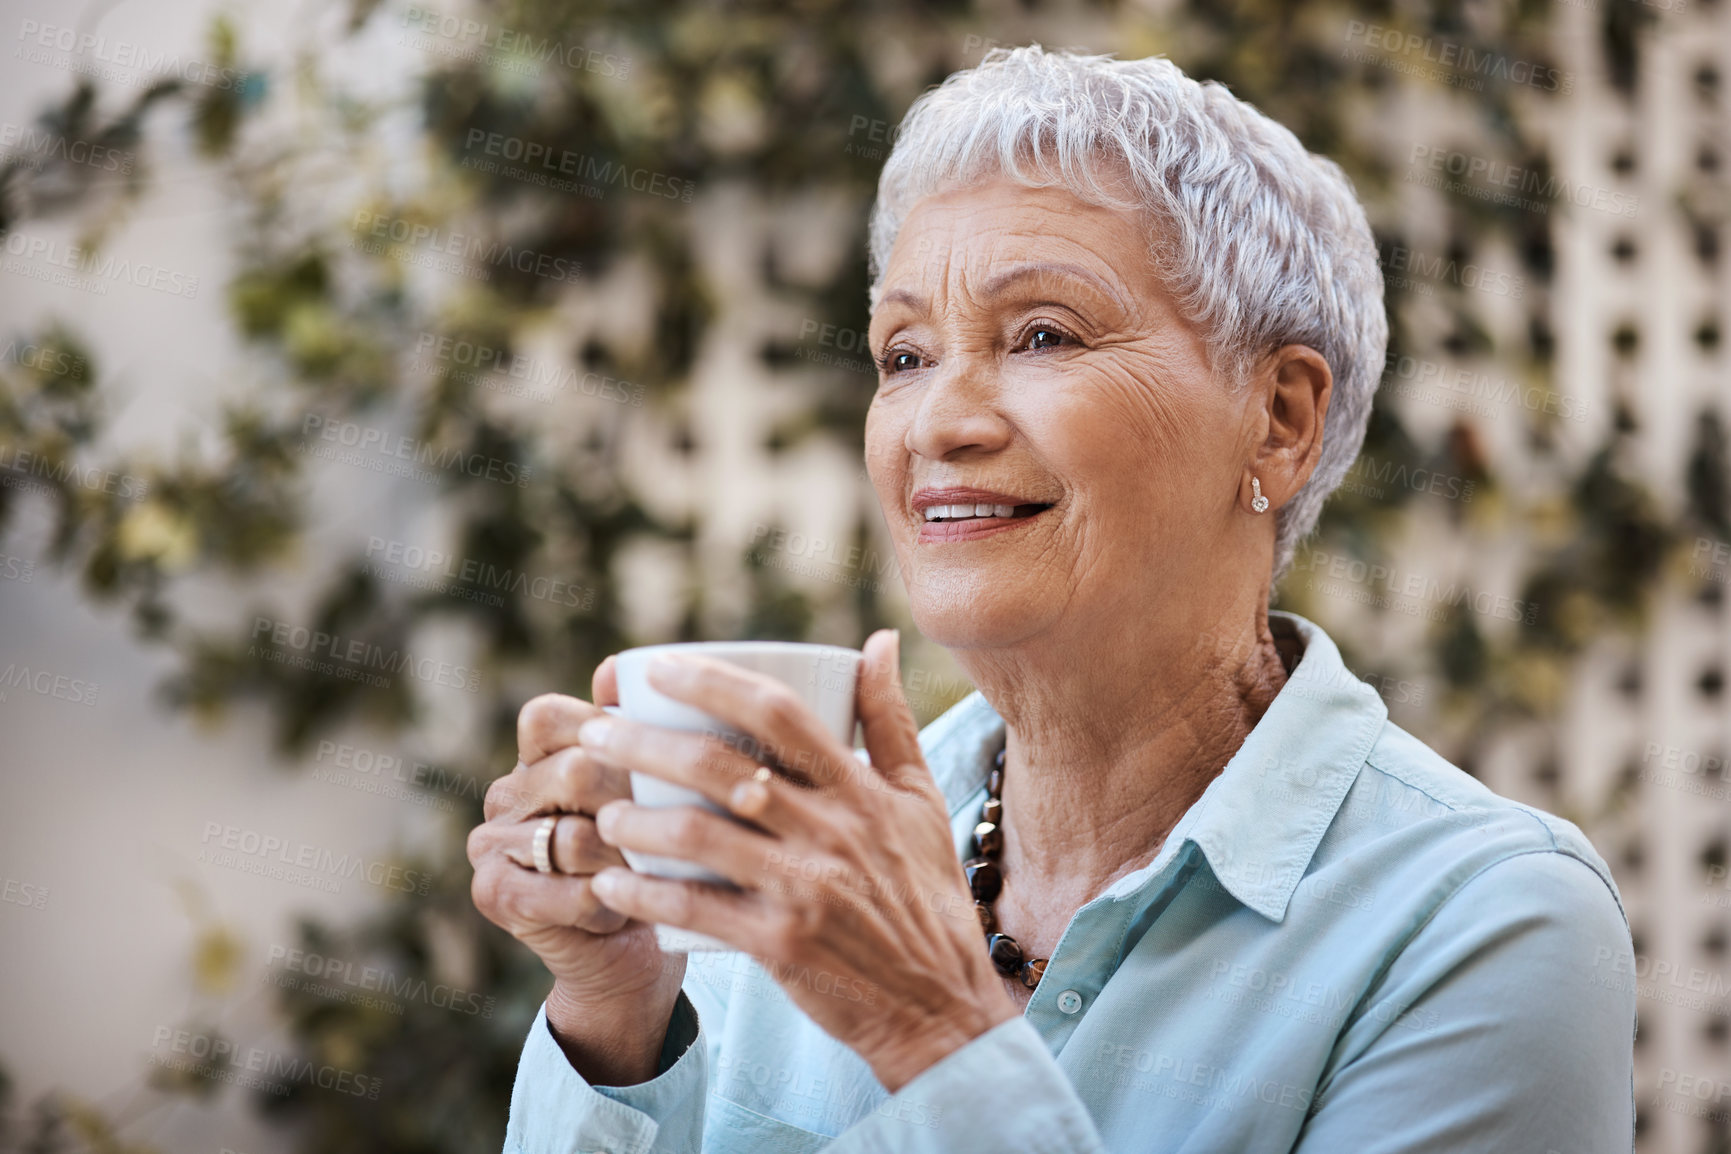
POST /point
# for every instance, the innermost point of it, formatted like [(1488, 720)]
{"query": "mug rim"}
[(757, 646)]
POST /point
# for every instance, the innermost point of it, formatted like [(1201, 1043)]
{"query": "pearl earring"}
[(1258, 502)]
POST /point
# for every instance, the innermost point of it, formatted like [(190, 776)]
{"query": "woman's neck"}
[(1107, 750)]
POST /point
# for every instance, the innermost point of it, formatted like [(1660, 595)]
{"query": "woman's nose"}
[(958, 411)]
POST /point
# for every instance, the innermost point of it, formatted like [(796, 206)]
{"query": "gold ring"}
[(763, 774), (543, 845)]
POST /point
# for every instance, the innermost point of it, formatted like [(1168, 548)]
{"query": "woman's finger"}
[(737, 917), (892, 736), (791, 812), (693, 760), (577, 847), (522, 901), (549, 723), (725, 776), (567, 781), (604, 686), (784, 727), (688, 833)]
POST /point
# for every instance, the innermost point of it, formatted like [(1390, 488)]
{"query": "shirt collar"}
[(1260, 820)]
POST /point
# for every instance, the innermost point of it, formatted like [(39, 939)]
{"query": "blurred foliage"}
[(708, 97), (57, 1124)]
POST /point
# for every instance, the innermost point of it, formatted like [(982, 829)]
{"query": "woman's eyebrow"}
[(906, 297), (1046, 270), (1002, 281)]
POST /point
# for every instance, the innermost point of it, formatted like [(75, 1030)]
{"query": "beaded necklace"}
[(986, 880)]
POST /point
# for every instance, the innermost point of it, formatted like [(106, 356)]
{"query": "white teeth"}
[(961, 512)]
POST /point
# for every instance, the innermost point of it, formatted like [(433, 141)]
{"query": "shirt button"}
[(1069, 1002)]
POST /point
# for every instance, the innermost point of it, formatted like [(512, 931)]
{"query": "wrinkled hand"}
[(850, 892), (613, 991)]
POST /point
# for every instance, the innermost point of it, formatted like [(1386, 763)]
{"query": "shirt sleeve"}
[(554, 1111), (1507, 1023), (1001, 1091)]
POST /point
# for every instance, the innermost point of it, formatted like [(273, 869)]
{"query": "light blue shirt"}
[(1345, 946)]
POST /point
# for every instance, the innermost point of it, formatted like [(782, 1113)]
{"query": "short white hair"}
[(1262, 243)]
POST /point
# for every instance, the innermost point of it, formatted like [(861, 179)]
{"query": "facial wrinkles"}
[(1156, 425), (960, 250), (1128, 382)]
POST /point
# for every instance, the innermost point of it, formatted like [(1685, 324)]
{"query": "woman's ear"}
[(1296, 383)]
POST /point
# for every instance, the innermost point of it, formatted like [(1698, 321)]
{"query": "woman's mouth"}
[(981, 512), (966, 522)]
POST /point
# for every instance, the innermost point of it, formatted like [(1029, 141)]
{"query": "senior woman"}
[(1127, 331)]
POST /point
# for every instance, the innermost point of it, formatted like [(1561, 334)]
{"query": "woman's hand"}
[(613, 991), (851, 894)]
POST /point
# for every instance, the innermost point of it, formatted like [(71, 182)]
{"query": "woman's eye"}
[(900, 362), (1045, 337)]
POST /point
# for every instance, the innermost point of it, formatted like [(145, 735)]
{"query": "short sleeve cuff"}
[(554, 1111)]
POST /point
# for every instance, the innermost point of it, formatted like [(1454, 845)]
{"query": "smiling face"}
[(1041, 396)]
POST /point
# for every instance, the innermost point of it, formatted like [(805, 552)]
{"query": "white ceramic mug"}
[(824, 677)]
